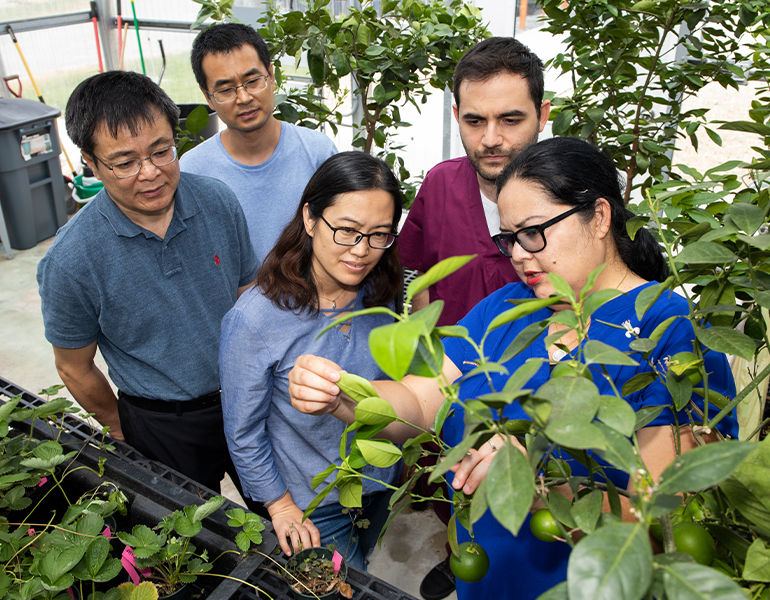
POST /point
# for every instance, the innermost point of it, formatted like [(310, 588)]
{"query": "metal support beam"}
[(108, 34), (45, 22)]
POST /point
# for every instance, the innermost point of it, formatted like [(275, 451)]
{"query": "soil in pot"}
[(311, 575)]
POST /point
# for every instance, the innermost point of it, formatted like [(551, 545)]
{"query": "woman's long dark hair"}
[(286, 276), (573, 173)]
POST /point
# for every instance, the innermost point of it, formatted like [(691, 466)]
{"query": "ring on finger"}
[(494, 448)]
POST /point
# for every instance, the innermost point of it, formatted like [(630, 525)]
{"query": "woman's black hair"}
[(286, 276), (573, 173)]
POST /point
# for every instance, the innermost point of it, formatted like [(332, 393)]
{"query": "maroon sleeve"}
[(411, 239)]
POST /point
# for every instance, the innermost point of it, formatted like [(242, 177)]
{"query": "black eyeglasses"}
[(531, 238), (345, 236)]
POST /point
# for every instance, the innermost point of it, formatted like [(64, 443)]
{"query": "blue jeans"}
[(338, 528)]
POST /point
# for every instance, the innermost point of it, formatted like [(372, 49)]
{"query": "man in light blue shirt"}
[(266, 162)]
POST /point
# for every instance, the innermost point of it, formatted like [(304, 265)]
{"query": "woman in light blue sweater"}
[(338, 254)]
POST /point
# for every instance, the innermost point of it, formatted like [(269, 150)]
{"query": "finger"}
[(477, 476), (306, 538), (296, 540), (464, 468), (307, 386), (323, 367), (282, 541), (315, 535)]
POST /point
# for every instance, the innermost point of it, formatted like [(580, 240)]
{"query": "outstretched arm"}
[(88, 385), (313, 390)]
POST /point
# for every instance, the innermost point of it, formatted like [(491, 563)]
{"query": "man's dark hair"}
[(498, 55), (223, 38), (115, 99)]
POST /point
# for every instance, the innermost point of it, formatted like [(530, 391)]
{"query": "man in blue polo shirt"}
[(145, 272)]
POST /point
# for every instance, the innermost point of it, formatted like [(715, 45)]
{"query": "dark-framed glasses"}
[(128, 168), (530, 238), (252, 86), (345, 236)]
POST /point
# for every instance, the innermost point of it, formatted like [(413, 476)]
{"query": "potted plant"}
[(317, 573)]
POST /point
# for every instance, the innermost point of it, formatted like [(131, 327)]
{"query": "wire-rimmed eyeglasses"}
[(530, 238), (128, 168), (345, 236), (229, 94)]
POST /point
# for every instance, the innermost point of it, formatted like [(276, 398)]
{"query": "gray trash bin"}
[(32, 190)]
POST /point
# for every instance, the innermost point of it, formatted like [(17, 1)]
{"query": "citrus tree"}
[(710, 508), (384, 56), (634, 63)]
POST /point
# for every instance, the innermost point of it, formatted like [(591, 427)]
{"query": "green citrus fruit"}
[(682, 359), (543, 526), (472, 563), (693, 512), (693, 539), (656, 530), (571, 368), (557, 467)]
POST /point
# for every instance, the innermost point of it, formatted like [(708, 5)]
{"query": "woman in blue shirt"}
[(337, 255), (561, 211)]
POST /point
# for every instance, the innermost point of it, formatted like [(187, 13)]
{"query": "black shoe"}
[(438, 583)]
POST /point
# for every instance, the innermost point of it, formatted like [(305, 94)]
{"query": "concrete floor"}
[(414, 543)]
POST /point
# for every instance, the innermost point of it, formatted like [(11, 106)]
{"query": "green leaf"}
[(320, 497), (617, 413), (613, 562), (558, 592), (638, 382), (757, 567), (597, 352), (393, 346), (209, 507), (522, 310), (727, 340), (375, 411), (510, 486), (186, 527), (350, 492), (379, 453), (703, 467), (573, 398), (562, 121), (705, 253), (321, 477), (747, 217), (691, 581), (587, 510), (356, 387), (479, 504), (647, 415), (436, 273), (454, 456), (575, 434), (648, 296), (598, 299), (619, 451), (197, 120), (561, 509), (525, 337)]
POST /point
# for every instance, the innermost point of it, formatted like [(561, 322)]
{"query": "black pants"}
[(191, 442)]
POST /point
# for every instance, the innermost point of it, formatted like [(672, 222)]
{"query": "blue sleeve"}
[(459, 351), (245, 369), (679, 338), (70, 318)]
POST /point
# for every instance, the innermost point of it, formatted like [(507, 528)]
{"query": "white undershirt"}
[(491, 213)]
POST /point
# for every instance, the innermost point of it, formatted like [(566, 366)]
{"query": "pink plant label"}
[(69, 591), (129, 564), (107, 533), (337, 561), (31, 532), (41, 484)]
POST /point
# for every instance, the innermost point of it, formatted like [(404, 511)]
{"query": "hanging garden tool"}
[(37, 91), (95, 21), (11, 78), (138, 38), (120, 32), (163, 56)]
